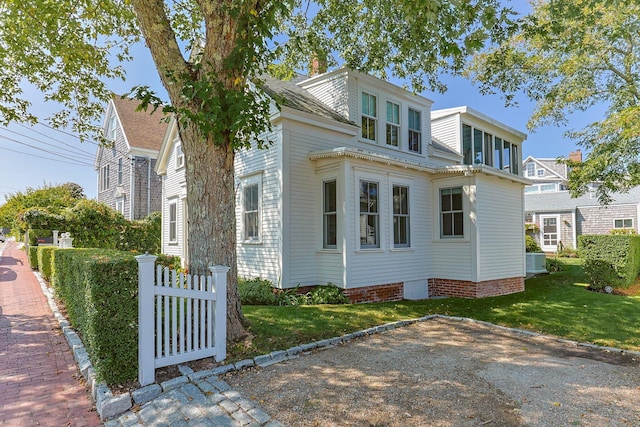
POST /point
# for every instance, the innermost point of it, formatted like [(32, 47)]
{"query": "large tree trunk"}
[(211, 216)]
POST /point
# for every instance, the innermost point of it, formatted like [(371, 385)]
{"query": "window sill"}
[(173, 243), (328, 251), (451, 240), (370, 251), (407, 249), (252, 242)]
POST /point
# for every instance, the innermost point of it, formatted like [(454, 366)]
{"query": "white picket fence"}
[(181, 317)]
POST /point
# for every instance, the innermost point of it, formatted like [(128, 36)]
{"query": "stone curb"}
[(109, 406)]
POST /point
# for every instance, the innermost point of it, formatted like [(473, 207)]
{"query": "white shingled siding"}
[(500, 229), (454, 258), (261, 258), (447, 131)]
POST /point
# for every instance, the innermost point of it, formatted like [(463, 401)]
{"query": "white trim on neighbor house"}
[(550, 247), (251, 233)]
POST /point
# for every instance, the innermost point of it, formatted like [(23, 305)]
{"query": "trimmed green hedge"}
[(45, 254), (100, 291), (619, 254), (33, 257)]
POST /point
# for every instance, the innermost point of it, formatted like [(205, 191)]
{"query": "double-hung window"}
[(329, 215), (120, 170), (111, 127), (251, 208), (415, 132), (623, 223), (400, 216), (393, 124), (104, 178), (369, 116), (173, 221), (179, 156), (369, 215), (451, 212)]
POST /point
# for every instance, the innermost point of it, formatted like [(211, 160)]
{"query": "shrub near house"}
[(610, 260)]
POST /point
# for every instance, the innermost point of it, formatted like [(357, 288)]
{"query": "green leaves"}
[(572, 55)]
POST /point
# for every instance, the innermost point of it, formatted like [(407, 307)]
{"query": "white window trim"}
[(104, 178), (374, 118), (395, 181), (549, 248), (381, 244), (173, 203), (247, 181), (179, 155), (397, 125), (120, 204), (325, 245), (420, 132), (465, 213), (120, 170), (623, 219)]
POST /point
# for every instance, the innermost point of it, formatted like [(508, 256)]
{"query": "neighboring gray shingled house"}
[(127, 180), (555, 219)]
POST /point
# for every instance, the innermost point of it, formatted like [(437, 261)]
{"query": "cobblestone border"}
[(119, 408)]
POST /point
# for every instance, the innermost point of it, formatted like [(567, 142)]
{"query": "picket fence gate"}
[(181, 317)]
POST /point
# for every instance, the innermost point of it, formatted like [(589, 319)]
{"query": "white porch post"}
[(146, 355), (219, 273)]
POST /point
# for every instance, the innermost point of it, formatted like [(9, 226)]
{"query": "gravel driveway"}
[(447, 372)]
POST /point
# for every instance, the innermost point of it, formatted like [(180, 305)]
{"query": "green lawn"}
[(554, 304)]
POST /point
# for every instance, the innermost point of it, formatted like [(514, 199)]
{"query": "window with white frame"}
[(173, 221), (112, 125), (623, 223), (482, 148), (451, 212), (540, 172), (251, 196), (393, 124), (415, 132), (369, 215), (104, 178), (401, 234), (369, 116), (530, 169), (179, 156), (120, 205), (329, 215), (120, 170)]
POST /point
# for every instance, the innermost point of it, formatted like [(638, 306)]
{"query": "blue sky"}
[(22, 166)]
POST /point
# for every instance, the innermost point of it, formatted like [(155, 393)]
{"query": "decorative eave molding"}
[(370, 156)]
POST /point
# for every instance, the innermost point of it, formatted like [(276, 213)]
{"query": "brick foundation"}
[(466, 289), (377, 293)]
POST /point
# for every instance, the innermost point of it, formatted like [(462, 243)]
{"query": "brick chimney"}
[(318, 64), (576, 156)]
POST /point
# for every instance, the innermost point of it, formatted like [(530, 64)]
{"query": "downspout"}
[(575, 229), (148, 186), (132, 185)]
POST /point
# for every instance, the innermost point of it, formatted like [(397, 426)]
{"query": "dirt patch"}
[(448, 373)]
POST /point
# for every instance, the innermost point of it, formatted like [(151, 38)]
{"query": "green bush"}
[(256, 292), (100, 291), (553, 265), (602, 273), (143, 235), (531, 245), (327, 294), (94, 225), (33, 257), (622, 252), (36, 233), (45, 255)]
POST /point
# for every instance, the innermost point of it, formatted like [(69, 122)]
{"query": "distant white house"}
[(555, 219), (365, 187)]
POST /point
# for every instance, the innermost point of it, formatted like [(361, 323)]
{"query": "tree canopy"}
[(210, 55), (574, 55)]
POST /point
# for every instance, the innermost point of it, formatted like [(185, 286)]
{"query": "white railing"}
[(181, 317)]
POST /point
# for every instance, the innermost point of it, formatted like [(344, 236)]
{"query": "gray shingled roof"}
[(293, 96), (562, 201)]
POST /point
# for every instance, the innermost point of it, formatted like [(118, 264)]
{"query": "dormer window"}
[(369, 116), (393, 124), (540, 172), (482, 148), (531, 169), (179, 156), (415, 132)]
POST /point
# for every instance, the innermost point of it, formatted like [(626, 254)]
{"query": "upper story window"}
[(104, 178), (415, 131), (110, 133), (482, 148), (179, 156), (530, 169), (540, 172), (120, 170), (369, 215), (393, 124), (173, 221), (369, 116)]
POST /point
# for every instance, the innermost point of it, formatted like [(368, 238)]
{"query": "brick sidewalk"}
[(39, 381)]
